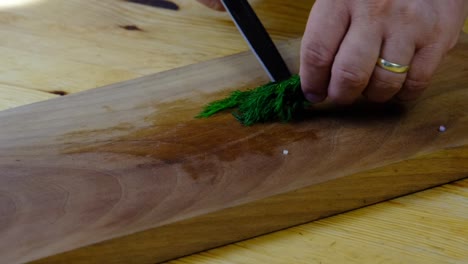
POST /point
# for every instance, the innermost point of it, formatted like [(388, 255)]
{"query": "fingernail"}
[(314, 98)]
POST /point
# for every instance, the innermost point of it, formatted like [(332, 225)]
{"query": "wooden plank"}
[(77, 45), (274, 213), (95, 166), (427, 227)]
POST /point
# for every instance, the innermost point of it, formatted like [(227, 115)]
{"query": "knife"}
[(258, 39)]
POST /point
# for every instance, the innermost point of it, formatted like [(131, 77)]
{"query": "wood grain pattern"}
[(99, 165), (428, 227), (76, 45), (277, 212)]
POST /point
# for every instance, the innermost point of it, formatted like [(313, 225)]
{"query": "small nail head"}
[(442, 128), (285, 152)]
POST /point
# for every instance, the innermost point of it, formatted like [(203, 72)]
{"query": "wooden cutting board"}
[(98, 171)]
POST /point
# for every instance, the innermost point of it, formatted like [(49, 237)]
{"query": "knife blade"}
[(258, 39)]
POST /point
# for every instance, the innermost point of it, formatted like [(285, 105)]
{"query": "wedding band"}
[(393, 67)]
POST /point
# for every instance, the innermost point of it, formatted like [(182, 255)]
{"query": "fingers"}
[(341, 63), (354, 63), (422, 68), (323, 35), (384, 84), (214, 4)]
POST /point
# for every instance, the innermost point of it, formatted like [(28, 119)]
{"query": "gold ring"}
[(393, 67)]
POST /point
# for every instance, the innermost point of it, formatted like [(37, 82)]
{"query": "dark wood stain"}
[(203, 147), (165, 4), (131, 27), (59, 92), (174, 137), (199, 146)]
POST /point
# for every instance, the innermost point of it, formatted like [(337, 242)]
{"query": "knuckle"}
[(378, 8), (387, 86), (317, 54), (416, 86), (391, 86), (352, 77), (409, 11), (382, 91)]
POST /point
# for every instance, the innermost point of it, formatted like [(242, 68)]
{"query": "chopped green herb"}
[(275, 101)]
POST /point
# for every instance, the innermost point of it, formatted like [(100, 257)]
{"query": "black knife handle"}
[(257, 37)]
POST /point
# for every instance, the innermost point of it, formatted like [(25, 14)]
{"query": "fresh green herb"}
[(276, 101)]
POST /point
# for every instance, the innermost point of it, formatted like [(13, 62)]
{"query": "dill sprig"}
[(270, 102)]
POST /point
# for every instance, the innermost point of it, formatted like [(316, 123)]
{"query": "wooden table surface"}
[(51, 48)]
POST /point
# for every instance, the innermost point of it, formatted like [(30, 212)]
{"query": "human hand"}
[(344, 39)]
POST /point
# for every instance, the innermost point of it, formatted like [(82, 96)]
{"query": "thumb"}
[(214, 4)]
